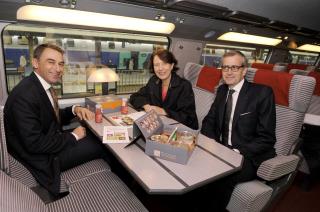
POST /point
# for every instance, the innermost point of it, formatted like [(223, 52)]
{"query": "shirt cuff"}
[(236, 150), (75, 135), (74, 107)]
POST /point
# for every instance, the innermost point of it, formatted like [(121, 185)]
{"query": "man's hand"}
[(158, 110), (83, 113), (80, 132)]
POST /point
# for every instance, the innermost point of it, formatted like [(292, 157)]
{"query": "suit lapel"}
[(241, 103), (222, 100), (43, 95)]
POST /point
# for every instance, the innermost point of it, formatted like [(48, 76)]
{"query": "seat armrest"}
[(278, 166)]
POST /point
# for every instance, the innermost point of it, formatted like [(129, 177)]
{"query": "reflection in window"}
[(128, 54), (212, 54), (306, 58)]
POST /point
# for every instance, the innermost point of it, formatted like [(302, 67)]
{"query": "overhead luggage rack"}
[(279, 25), (198, 8), (243, 17), (305, 31)]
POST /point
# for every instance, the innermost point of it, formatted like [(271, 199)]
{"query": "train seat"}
[(310, 147), (16, 170), (292, 95), (299, 72), (279, 67), (297, 66), (262, 66), (92, 194), (92, 187), (205, 81)]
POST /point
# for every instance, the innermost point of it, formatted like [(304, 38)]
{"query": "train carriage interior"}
[(280, 39)]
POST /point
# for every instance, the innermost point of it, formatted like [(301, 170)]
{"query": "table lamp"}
[(103, 75)]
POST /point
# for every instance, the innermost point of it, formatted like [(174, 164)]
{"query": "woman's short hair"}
[(166, 56)]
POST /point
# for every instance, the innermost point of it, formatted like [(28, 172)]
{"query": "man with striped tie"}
[(33, 123)]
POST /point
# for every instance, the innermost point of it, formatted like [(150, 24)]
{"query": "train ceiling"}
[(206, 19), (289, 16)]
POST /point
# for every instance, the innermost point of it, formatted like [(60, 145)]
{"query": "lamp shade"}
[(103, 75)]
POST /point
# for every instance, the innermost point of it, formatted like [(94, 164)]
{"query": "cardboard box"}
[(109, 103), (160, 144)]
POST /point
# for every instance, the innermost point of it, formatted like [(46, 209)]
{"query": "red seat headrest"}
[(209, 78), (296, 66), (262, 66), (278, 81)]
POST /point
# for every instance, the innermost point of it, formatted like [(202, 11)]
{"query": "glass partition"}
[(306, 58), (212, 54), (127, 54)]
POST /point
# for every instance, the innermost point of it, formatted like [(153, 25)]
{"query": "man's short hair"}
[(39, 49), (235, 52)]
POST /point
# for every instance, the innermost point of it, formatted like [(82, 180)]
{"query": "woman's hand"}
[(158, 110)]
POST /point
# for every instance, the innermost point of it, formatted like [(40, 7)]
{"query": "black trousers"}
[(310, 148), (216, 196), (86, 149)]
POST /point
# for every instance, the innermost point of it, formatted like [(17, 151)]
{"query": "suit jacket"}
[(179, 103), (253, 124), (34, 136)]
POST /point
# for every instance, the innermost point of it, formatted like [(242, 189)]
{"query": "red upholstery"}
[(209, 78), (259, 69), (278, 81), (296, 66), (317, 76), (262, 66)]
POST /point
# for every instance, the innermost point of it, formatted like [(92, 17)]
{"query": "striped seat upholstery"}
[(191, 72), (254, 195), (203, 98), (4, 156), (92, 187), (103, 191), (16, 170), (313, 113), (94, 194), (314, 107), (17, 197)]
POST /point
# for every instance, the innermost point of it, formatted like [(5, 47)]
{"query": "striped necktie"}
[(55, 102)]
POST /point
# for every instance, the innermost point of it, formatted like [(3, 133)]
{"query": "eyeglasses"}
[(233, 68)]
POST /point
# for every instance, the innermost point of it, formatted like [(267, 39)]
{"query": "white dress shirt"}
[(235, 96), (46, 86)]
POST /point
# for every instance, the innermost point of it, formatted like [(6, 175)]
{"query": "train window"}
[(306, 58), (212, 54), (128, 54)]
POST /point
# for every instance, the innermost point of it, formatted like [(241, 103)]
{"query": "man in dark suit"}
[(243, 118), (33, 123)]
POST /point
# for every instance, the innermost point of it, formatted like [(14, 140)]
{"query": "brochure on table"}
[(115, 134), (124, 120)]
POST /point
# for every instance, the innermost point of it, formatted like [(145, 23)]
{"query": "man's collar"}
[(44, 83), (238, 86)]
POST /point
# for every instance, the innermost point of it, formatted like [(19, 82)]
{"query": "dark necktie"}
[(226, 118), (55, 102)]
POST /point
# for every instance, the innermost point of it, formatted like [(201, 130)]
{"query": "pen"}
[(174, 123), (172, 134)]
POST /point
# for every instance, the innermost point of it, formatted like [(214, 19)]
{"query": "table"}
[(209, 162)]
